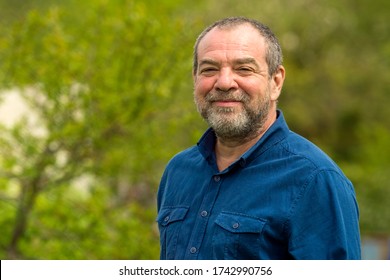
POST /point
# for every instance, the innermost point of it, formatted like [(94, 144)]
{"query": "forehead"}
[(241, 40)]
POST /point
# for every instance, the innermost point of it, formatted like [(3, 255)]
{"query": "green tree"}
[(101, 83)]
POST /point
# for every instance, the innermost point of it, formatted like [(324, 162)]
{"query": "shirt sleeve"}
[(161, 190), (324, 221)]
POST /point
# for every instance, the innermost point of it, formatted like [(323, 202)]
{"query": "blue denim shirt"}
[(283, 199)]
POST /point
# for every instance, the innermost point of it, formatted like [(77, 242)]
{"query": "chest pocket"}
[(237, 236), (169, 221)]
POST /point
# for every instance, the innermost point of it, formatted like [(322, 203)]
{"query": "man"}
[(251, 188)]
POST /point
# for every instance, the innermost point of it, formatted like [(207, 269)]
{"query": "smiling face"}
[(232, 88)]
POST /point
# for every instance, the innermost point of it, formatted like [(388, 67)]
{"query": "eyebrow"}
[(208, 61), (247, 60), (239, 61)]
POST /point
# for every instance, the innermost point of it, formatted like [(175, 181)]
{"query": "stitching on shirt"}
[(177, 206), (266, 148), (243, 215), (316, 172), (300, 155), (295, 202)]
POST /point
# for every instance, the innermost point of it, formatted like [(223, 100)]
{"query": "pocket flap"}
[(171, 214), (240, 223)]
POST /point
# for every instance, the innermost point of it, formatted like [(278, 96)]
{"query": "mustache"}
[(226, 96)]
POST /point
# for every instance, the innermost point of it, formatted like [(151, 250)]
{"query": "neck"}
[(228, 151)]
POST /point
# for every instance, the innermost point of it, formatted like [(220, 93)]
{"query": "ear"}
[(277, 81)]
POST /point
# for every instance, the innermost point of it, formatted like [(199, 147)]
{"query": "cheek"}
[(203, 86), (253, 90)]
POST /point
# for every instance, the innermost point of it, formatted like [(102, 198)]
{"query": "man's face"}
[(232, 88)]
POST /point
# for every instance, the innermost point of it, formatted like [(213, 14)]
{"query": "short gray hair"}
[(273, 57)]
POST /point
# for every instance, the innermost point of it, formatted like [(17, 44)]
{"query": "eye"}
[(208, 71), (244, 70)]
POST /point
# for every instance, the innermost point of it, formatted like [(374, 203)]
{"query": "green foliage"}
[(101, 84), (109, 90), (90, 227)]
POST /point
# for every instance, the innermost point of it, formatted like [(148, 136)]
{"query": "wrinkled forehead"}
[(241, 38)]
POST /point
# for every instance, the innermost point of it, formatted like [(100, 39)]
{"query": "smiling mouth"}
[(226, 103)]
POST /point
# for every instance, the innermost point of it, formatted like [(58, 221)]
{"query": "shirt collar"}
[(277, 132)]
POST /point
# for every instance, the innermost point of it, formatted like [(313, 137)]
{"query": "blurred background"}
[(96, 97)]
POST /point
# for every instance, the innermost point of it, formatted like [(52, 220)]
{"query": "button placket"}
[(203, 216)]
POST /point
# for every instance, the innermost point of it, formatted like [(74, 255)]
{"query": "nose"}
[(226, 80)]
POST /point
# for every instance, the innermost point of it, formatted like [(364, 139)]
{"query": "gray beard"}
[(234, 126)]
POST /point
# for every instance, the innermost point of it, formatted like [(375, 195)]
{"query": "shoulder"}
[(185, 157), (185, 162), (315, 167), (175, 170), (298, 146)]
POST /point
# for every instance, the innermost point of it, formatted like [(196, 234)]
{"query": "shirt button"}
[(193, 250), (236, 225), (217, 178), (166, 219), (203, 213)]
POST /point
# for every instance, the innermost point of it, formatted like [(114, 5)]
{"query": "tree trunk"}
[(26, 203)]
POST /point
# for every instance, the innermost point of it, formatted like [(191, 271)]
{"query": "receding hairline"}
[(229, 27), (270, 40), (224, 27)]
